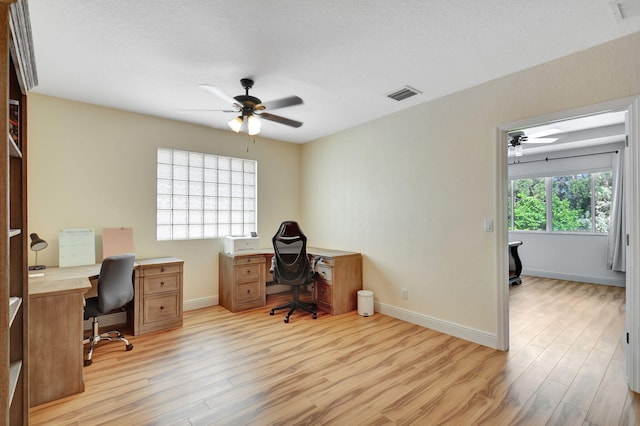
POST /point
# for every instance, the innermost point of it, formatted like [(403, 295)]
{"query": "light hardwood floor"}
[(565, 366)]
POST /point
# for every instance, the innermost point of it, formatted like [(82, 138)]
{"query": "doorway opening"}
[(570, 145)]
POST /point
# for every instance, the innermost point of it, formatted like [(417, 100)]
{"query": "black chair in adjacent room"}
[(115, 290), (515, 264), (291, 266)]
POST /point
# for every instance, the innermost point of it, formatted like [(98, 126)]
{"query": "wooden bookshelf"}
[(17, 76)]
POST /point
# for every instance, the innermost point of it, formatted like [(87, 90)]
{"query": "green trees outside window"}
[(529, 204), (575, 203)]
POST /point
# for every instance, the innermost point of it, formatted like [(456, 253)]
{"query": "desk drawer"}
[(243, 260), (323, 292), (161, 284), (249, 292), (160, 269), (161, 307), (324, 272), (249, 272)]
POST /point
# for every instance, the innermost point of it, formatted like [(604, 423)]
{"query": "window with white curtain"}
[(204, 196)]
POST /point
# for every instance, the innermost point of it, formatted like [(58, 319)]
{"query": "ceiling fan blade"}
[(208, 110), (219, 93), (544, 133), (539, 140), (278, 119), (281, 103)]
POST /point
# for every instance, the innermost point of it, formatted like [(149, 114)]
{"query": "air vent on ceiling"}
[(404, 93)]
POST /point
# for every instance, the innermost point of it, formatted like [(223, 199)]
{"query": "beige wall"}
[(94, 167), (411, 190)]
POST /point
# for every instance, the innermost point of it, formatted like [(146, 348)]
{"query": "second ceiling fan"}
[(250, 109)]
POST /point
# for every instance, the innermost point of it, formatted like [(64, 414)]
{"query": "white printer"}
[(237, 244)]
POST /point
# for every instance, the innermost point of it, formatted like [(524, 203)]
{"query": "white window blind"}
[(204, 195)]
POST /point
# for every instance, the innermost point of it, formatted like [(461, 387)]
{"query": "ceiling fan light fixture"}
[(254, 125), (236, 124)]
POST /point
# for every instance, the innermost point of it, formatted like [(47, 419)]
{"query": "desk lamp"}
[(37, 244)]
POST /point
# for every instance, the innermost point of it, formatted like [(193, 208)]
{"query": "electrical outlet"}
[(405, 293)]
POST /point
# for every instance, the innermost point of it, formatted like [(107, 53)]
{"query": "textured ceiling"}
[(342, 57)]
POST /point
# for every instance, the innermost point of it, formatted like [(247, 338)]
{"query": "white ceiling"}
[(342, 57)]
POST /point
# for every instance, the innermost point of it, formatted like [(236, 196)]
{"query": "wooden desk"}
[(243, 277), (55, 337), (56, 317)]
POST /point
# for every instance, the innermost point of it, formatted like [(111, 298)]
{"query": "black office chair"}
[(115, 290), (291, 266)]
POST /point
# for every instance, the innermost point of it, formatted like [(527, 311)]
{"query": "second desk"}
[(243, 278)]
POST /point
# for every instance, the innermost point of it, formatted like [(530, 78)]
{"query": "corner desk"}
[(243, 277), (56, 317)]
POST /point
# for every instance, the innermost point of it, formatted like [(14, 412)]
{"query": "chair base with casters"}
[(294, 304), (111, 336)]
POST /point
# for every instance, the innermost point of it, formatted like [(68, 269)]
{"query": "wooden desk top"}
[(56, 280), (310, 250), (61, 280)]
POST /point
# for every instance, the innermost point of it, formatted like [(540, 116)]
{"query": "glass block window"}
[(204, 196)]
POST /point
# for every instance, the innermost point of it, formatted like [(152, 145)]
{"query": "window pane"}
[(196, 159), (210, 175), (164, 156), (571, 202), (210, 231), (164, 186), (236, 164), (164, 217), (180, 217), (180, 187), (180, 157), (163, 232), (164, 202), (529, 205), (224, 163), (179, 232), (164, 171), (195, 232), (603, 192)]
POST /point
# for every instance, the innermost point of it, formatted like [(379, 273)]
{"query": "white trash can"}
[(365, 303)]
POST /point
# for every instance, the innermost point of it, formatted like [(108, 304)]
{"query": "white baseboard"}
[(203, 302), (612, 281), (476, 336)]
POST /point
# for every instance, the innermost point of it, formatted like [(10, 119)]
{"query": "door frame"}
[(632, 210)]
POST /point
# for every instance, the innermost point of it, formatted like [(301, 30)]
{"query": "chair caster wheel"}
[(129, 346), (87, 362), (272, 312), (286, 320), (315, 316)]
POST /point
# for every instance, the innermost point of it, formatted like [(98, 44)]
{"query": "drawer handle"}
[(161, 307), (248, 291), (248, 271), (161, 269), (161, 283)]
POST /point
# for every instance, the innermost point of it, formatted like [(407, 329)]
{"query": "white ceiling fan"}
[(519, 137)]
